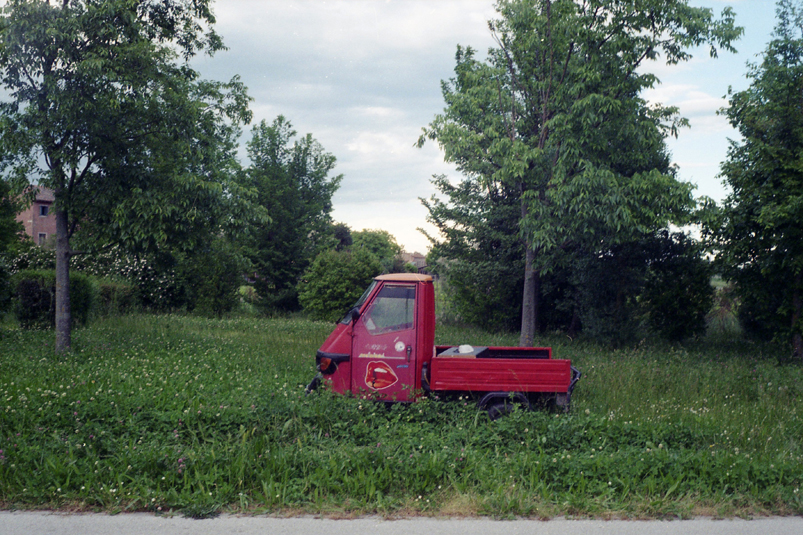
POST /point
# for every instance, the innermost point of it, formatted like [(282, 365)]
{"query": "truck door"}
[(384, 345)]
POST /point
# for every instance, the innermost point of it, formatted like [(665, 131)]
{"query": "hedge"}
[(35, 293)]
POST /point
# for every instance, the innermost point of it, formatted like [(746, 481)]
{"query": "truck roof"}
[(404, 277)]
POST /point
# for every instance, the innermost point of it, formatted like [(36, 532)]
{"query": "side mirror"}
[(354, 313)]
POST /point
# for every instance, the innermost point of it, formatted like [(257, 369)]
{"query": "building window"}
[(42, 238), (43, 209)]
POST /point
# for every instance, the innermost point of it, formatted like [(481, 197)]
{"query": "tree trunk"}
[(532, 280), (63, 317), (529, 304), (797, 304), (574, 326)]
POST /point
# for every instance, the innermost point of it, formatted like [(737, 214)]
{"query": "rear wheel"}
[(563, 402), (499, 409)]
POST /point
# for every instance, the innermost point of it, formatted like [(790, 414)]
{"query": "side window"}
[(347, 318), (392, 310)]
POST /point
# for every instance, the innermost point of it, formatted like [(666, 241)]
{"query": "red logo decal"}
[(379, 375)]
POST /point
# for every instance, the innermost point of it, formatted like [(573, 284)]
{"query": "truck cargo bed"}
[(483, 352), (500, 369)]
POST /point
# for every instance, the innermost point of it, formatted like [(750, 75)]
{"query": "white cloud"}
[(363, 76)]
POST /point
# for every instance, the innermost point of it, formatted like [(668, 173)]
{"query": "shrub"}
[(33, 257), (211, 277), (678, 293), (36, 298), (35, 303), (335, 281), (115, 297)]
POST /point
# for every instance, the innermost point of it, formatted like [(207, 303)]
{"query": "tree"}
[(677, 292), (10, 240), (341, 236), (10, 228), (335, 281), (381, 244), (760, 240), (293, 184), (135, 147), (554, 113), (480, 257), (659, 277)]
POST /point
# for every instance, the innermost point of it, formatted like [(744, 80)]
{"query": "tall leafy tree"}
[(381, 244), (292, 178), (555, 113), (480, 257), (761, 237), (103, 111)]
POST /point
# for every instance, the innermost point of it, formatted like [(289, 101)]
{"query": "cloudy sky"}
[(363, 77)]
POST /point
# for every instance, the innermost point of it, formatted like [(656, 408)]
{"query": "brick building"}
[(39, 219)]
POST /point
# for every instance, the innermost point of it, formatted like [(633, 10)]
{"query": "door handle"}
[(409, 351)]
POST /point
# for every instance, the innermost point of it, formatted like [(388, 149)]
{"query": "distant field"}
[(173, 413)]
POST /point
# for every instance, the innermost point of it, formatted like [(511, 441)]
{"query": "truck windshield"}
[(359, 303), (392, 310)]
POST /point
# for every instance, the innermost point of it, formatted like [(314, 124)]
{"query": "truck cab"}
[(381, 345)]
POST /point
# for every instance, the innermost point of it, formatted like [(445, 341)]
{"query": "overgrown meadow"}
[(182, 414)]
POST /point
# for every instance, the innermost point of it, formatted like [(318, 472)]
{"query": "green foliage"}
[(342, 236), (211, 277), (35, 304), (10, 242), (204, 280), (606, 293), (481, 258), (136, 148), (759, 238), (661, 282), (555, 116), (6, 291), (660, 278), (115, 297), (161, 411), (11, 230), (678, 293), (35, 293), (291, 178), (153, 278), (381, 244), (335, 281), (33, 257)]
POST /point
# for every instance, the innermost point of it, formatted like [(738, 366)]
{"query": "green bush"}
[(35, 293), (335, 281), (678, 293), (210, 278), (115, 297), (33, 257)]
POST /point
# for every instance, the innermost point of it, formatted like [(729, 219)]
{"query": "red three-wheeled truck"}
[(384, 348)]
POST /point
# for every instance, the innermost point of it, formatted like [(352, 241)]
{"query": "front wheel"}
[(314, 384)]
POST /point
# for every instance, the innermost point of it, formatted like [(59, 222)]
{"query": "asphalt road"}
[(37, 523)]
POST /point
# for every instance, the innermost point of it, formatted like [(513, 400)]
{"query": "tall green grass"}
[(179, 413)]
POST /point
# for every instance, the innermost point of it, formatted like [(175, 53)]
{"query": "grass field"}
[(174, 413)]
